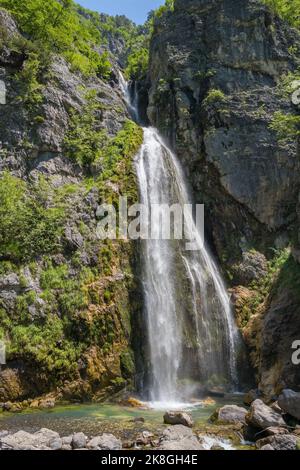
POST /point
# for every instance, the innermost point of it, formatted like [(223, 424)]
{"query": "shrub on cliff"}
[(29, 226), (57, 27), (286, 9)]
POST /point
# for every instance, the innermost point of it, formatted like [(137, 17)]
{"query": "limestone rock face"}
[(93, 286), (279, 329), (215, 77), (232, 158)]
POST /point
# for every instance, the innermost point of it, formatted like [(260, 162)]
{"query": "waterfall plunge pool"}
[(93, 419)]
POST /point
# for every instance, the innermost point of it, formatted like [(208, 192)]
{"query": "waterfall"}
[(191, 329)]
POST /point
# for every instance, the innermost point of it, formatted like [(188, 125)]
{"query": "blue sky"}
[(136, 10)]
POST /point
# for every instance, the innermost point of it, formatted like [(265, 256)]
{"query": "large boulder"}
[(105, 442), (231, 414), (262, 416), (178, 417), (278, 442), (179, 437), (79, 441), (289, 401), (45, 439)]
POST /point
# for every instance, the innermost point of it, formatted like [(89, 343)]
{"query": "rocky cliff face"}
[(66, 299), (216, 78)]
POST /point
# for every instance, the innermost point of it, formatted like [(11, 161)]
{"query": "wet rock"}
[(289, 401), (279, 442), (179, 437), (105, 442), (79, 441), (230, 414), (262, 416), (178, 417)]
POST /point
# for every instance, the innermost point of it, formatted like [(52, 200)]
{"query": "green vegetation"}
[(168, 6), (116, 156), (138, 57), (287, 126), (57, 27), (289, 10), (84, 138), (266, 286), (29, 226), (137, 63), (44, 346), (28, 78), (139, 44), (214, 96), (90, 146)]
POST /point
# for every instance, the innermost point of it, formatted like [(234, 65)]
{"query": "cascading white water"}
[(186, 303)]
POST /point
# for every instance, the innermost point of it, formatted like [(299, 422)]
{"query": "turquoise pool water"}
[(93, 419)]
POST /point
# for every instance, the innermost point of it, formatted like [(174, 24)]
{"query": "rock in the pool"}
[(231, 414), (178, 417)]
